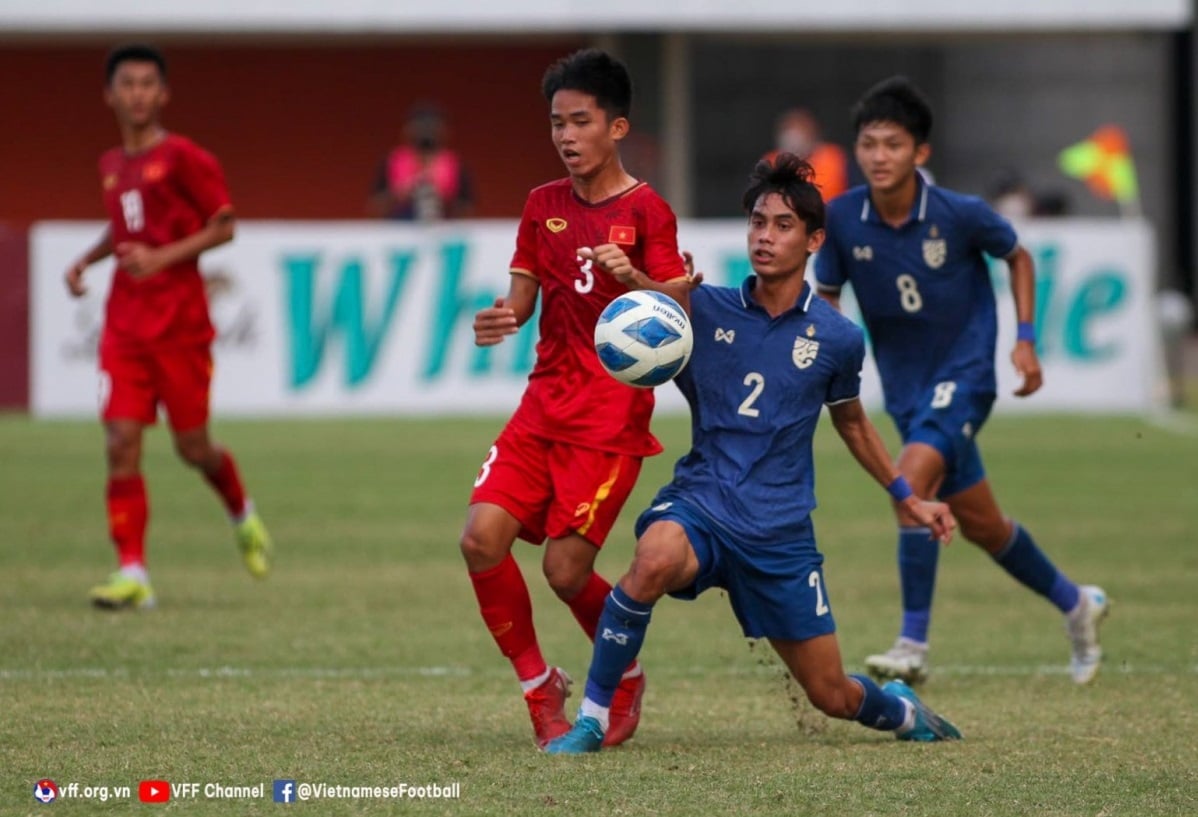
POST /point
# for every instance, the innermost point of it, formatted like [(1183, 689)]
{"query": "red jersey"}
[(569, 396), (157, 197)]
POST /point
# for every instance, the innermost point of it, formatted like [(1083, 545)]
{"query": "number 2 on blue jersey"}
[(756, 381)]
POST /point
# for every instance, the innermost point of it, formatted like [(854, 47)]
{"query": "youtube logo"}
[(154, 791)]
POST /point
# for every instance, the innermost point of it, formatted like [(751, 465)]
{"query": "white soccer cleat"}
[(906, 661), (1082, 626)]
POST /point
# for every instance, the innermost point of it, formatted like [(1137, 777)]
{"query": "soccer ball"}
[(643, 338)]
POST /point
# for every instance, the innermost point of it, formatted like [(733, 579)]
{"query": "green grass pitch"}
[(362, 659)]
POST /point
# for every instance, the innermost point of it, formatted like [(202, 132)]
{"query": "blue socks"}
[(1027, 563), (918, 554), (618, 640), (879, 710)]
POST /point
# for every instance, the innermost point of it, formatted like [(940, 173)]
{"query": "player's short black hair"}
[(790, 177), (895, 100), (593, 72), (133, 52)]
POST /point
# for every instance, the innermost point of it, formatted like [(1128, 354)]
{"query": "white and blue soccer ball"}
[(643, 338)]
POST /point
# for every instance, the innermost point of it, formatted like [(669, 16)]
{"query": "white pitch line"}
[(374, 673), (1174, 421)]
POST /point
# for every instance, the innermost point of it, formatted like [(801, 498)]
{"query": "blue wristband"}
[(1026, 330), (899, 489)]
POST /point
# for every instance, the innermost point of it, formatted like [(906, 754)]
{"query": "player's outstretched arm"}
[(863, 441), (98, 252), (505, 317), (141, 260), (1023, 288)]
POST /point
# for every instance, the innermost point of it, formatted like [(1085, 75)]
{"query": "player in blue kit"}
[(914, 256), (768, 356)]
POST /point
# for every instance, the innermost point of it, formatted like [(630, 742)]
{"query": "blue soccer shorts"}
[(949, 421), (776, 592)]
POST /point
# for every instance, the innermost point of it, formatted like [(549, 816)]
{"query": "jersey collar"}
[(746, 300), (919, 210)]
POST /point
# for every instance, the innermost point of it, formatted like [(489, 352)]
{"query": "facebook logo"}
[(284, 791)]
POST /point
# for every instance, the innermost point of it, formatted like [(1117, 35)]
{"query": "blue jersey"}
[(755, 386), (923, 288)]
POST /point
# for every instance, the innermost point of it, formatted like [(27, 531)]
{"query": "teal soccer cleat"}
[(585, 736), (928, 725)]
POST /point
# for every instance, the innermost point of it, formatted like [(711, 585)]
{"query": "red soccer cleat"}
[(625, 710), (547, 707)]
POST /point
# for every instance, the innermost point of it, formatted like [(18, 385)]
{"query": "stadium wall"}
[(300, 128), (14, 317), (353, 318)]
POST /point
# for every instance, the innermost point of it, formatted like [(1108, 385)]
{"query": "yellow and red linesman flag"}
[(1105, 164), (622, 235)]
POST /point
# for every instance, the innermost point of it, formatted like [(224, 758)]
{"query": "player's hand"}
[(493, 324), (74, 279), (1023, 356), (693, 279), (612, 260), (935, 515), (137, 259)]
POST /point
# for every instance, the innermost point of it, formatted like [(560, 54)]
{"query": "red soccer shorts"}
[(555, 488), (136, 378)]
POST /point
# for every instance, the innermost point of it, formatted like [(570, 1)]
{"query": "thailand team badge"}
[(804, 352), (935, 249)]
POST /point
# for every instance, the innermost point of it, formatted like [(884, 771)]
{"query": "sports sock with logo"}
[(128, 516), (617, 642), (879, 710), (506, 608)]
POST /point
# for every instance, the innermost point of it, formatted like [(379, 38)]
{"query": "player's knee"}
[(479, 551), (988, 534), (831, 699), (194, 453), (566, 579), (122, 450), (652, 573)]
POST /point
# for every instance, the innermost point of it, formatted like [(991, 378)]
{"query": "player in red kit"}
[(566, 461), (167, 202)]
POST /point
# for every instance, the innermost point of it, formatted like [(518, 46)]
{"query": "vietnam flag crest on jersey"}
[(622, 235)]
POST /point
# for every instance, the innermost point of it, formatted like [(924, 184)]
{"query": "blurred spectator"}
[(1012, 198), (422, 179), (798, 132)]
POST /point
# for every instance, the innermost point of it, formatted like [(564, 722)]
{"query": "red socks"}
[(587, 606), (507, 610), (227, 482), (128, 515)]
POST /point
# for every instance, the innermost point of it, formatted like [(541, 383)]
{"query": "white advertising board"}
[(355, 318)]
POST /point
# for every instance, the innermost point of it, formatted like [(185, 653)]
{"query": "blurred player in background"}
[(914, 256), (768, 356), (167, 202), (564, 464), (797, 131)]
